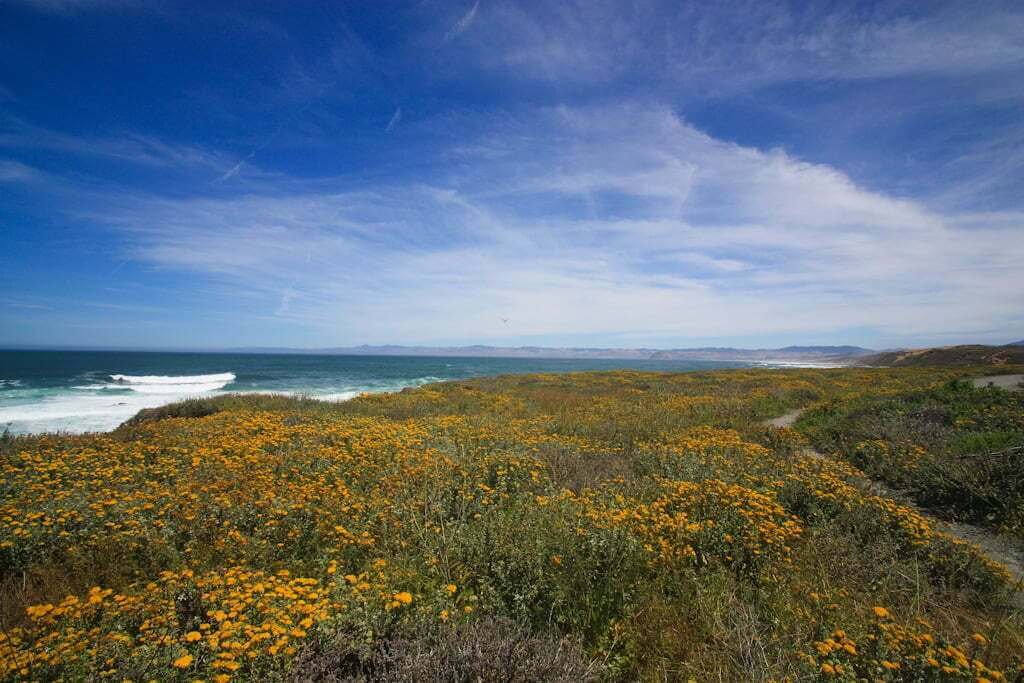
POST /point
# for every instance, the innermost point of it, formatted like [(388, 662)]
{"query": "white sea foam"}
[(101, 407), (190, 388), (95, 406), (163, 384), (821, 365), (221, 378), (336, 397), (75, 412)]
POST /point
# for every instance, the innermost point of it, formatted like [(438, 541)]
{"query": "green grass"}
[(955, 448)]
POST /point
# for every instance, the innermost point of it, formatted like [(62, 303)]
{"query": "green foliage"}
[(954, 447)]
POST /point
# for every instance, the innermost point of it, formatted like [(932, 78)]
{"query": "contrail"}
[(394, 120), (464, 23), (248, 157), (260, 147)]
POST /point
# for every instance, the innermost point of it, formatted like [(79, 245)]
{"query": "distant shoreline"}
[(838, 356)]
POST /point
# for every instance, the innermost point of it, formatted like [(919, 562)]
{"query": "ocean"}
[(85, 391)]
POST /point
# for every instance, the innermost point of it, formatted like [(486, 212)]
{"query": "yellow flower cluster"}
[(709, 521), (219, 546), (893, 652), (225, 621)]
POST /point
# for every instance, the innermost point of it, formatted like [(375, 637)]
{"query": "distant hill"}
[(971, 354), (1016, 343), (794, 354)]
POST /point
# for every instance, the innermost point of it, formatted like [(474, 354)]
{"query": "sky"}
[(594, 173)]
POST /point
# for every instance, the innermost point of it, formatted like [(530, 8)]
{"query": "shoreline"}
[(90, 404)]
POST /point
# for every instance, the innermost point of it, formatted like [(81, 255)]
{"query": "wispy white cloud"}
[(129, 148), (731, 46), (805, 249), (708, 262), (463, 24), (612, 221), (74, 6), (26, 306), (15, 171)]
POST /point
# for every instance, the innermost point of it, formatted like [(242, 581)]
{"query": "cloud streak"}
[(463, 24), (799, 243), (395, 118), (130, 148), (76, 6), (738, 45)]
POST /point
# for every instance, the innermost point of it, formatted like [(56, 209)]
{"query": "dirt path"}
[(786, 420), (998, 548), (1008, 382)]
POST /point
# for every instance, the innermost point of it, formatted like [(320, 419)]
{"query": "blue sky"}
[(592, 173)]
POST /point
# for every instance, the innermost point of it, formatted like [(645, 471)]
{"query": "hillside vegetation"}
[(956, 448), (972, 354), (591, 526)]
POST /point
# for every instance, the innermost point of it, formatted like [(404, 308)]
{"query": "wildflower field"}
[(589, 526)]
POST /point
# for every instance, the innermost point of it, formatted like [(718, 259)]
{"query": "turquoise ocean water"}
[(79, 391)]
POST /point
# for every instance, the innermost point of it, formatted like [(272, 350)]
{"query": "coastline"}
[(98, 391)]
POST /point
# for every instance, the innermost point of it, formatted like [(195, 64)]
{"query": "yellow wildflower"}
[(183, 662)]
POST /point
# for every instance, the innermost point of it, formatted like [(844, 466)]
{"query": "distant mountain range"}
[(825, 354), (968, 354)]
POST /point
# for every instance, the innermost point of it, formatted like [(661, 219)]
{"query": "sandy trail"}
[(1008, 382), (787, 420), (998, 548)]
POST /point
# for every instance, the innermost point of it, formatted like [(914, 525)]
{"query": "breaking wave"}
[(222, 378), (168, 384)]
